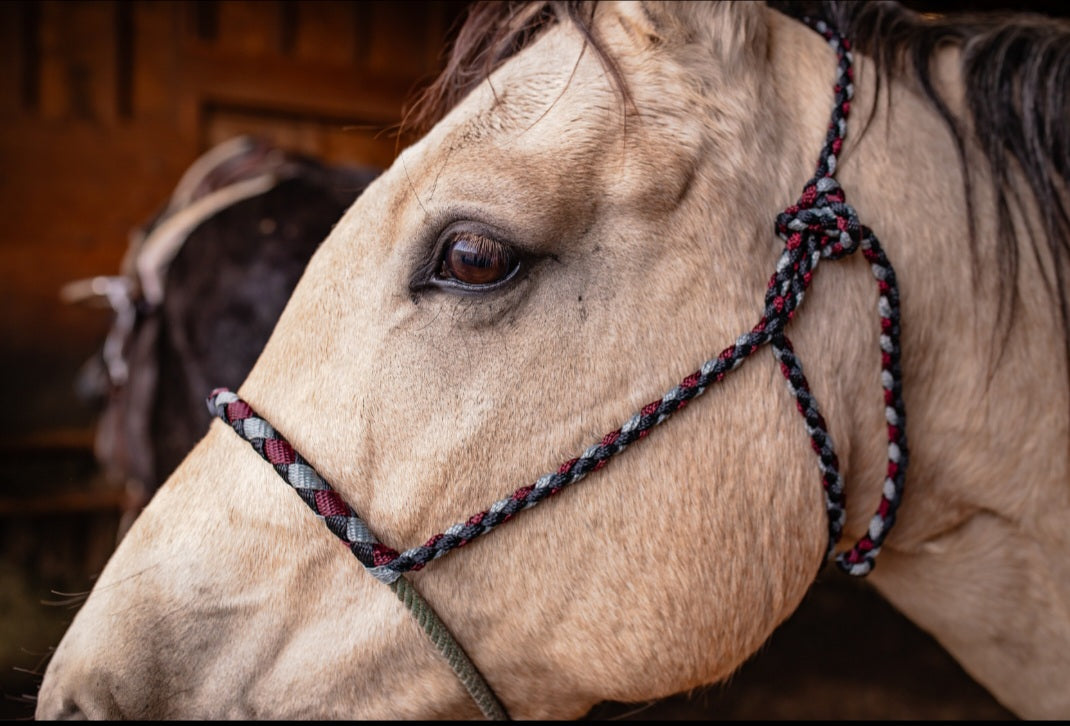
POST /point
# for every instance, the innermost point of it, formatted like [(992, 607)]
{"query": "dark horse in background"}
[(201, 287)]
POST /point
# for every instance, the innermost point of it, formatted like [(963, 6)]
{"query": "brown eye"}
[(474, 259)]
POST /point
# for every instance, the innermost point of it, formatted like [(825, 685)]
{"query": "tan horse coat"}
[(648, 243)]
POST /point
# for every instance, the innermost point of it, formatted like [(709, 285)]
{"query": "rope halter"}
[(821, 225)]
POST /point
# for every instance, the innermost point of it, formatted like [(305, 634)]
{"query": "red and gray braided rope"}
[(820, 225), (351, 529)]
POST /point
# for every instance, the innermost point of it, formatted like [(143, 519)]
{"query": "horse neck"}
[(986, 413), (905, 179)]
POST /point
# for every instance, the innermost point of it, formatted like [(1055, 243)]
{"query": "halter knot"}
[(822, 220), (820, 225)]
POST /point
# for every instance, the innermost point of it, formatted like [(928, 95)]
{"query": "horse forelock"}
[(493, 32)]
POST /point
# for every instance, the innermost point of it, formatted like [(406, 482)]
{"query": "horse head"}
[(584, 226)]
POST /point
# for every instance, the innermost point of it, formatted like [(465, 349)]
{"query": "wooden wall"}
[(104, 104)]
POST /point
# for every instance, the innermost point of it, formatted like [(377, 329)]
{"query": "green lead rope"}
[(450, 649)]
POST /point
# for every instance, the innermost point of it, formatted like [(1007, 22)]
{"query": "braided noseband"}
[(820, 225)]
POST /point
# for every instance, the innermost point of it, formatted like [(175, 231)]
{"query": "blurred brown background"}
[(103, 105)]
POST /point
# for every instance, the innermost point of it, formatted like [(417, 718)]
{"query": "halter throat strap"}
[(821, 225)]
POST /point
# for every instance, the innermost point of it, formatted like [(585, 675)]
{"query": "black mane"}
[(1016, 73)]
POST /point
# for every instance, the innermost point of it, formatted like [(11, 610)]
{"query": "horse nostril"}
[(65, 710)]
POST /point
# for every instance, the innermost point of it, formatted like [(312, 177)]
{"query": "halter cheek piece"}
[(820, 225)]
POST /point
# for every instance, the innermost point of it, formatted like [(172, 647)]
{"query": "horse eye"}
[(474, 259)]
